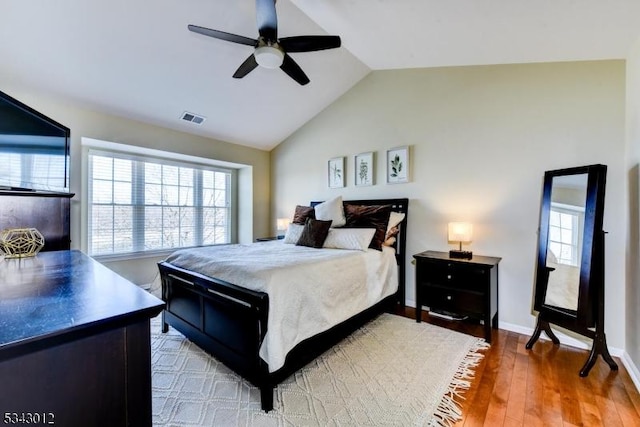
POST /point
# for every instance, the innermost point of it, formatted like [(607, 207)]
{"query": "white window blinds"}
[(139, 204)]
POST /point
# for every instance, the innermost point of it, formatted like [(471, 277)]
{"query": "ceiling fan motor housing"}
[(269, 56)]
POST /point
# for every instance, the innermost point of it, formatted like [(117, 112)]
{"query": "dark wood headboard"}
[(401, 206)]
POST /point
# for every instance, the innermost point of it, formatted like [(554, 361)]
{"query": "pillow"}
[(395, 218), (390, 237), (349, 238), (393, 228), (331, 210), (302, 213), (314, 233), (294, 231), (375, 216)]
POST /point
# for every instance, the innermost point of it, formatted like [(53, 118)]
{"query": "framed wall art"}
[(336, 172), (398, 165), (364, 169)]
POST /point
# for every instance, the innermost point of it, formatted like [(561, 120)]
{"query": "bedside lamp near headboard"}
[(460, 232), (281, 225)]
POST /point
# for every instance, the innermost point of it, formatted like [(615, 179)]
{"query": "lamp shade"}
[(282, 223), (460, 232)]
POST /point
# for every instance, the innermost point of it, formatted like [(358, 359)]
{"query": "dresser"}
[(48, 212), (458, 287), (74, 343)]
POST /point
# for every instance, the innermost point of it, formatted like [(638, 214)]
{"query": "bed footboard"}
[(230, 323), (225, 320)]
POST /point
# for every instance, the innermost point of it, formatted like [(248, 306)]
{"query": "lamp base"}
[(454, 253)]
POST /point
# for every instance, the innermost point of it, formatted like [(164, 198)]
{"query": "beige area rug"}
[(391, 372)]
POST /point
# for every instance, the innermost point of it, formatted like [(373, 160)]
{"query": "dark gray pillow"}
[(314, 233), (302, 213), (375, 216)]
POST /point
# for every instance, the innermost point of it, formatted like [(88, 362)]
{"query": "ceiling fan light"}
[(269, 56)]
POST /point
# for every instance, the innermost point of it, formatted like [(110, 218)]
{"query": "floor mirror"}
[(569, 284)]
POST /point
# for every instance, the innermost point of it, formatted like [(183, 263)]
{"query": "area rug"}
[(392, 371)]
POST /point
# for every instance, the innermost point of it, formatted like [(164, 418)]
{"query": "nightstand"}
[(268, 239), (464, 287)]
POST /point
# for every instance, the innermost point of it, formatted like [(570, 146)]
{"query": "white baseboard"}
[(564, 339), (634, 373), (633, 370)]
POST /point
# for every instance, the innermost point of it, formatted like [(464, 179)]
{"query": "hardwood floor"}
[(541, 387)]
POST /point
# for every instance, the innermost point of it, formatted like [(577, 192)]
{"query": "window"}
[(139, 204), (564, 231)]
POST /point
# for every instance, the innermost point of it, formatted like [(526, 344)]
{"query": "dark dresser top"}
[(65, 293), (476, 259)]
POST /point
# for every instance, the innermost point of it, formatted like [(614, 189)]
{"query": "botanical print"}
[(364, 169), (398, 165), (336, 172)]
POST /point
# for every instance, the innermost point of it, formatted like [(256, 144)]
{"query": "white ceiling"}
[(137, 59)]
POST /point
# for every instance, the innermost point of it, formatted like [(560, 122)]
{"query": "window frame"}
[(162, 158), (576, 243)]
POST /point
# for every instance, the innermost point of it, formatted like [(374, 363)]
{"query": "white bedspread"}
[(310, 290)]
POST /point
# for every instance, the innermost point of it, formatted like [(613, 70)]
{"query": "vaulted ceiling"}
[(136, 58)]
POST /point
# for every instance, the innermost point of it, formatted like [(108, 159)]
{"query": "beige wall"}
[(481, 138), (255, 219), (632, 297)]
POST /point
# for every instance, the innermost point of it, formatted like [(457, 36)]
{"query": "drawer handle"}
[(449, 276), (448, 297)]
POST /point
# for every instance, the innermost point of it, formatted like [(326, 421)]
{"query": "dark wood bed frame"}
[(230, 322)]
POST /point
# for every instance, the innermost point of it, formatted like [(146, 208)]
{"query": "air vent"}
[(193, 118)]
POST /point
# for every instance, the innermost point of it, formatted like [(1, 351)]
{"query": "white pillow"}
[(349, 238), (331, 210), (294, 231), (395, 218)]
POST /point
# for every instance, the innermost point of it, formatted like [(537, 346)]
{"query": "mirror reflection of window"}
[(566, 224), (32, 171)]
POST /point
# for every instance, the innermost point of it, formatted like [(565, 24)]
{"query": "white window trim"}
[(96, 144), (160, 154)]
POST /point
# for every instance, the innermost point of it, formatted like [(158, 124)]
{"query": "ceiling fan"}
[(270, 51)]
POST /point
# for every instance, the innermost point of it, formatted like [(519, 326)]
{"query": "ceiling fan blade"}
[(267, 19), (246, 67), (294, 71), (234, 38), (309, 43)]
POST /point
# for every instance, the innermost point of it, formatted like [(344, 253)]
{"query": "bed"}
[(247, 314)]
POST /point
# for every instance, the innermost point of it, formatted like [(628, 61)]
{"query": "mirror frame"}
[(588, 318), (591, 283)]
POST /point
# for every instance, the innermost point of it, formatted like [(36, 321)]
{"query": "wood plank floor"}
[(541, 387)]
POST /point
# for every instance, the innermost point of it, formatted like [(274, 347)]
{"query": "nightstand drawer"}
[(453, 300), (454, 275)]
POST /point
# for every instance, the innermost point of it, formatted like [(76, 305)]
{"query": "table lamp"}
[(281, 226), (460, 232)]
